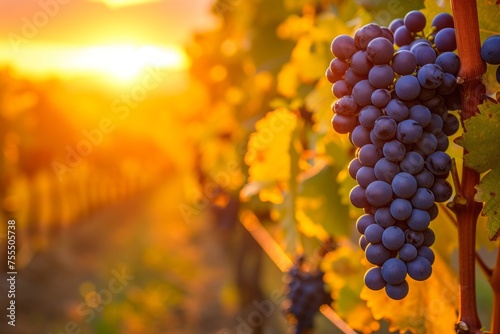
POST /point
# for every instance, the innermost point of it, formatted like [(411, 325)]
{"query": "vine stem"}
[(495, 284), (471, 69)]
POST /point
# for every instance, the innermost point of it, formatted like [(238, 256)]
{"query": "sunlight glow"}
[(121, 3), (121, 62), (126, 62)]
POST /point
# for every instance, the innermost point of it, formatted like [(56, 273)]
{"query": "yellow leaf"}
[(288, 80), (268, 155)]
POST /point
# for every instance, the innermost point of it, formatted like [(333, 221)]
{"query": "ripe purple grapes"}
[(395, 89)]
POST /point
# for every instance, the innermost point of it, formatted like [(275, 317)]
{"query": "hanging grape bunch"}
[(395, 87), (490, 52), (305, 294)]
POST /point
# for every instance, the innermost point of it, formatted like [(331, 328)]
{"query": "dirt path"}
[(135, 267)]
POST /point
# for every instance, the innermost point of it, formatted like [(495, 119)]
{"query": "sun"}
[(126, 62)]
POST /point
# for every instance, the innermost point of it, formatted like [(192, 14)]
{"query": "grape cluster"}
[(490, 52), (305, 294), (395, 87)]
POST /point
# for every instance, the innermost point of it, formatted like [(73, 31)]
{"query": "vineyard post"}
[(471, 69)]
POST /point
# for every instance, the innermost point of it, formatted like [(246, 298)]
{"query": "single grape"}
[(419, 220), (449, 62), (445, 40), (443, 20), (438, 163), (365, 176), (343, 47), (363, 222), (345, 106), (381, 76), (442, 190), (408, 252), (343, 124), (394, 150), (364, 35), (385, 128), (373, 279), (339, 66), (407, 87), (415, 238), (402, 36), (380, 98), (425, 179), (397, 110), (397, 292), (401, 209), (427, 253), (426, 145), (357, 197), (423, 199), (430, 76), (362, 92), (419, 269), (424, 53), (387, 34), (448, 85), (429, 237), (413, 163), (360, 63), (378, 193), (404, 62), (363, 243), (369, 155), (368, 115), (360, 136), (415, 21), (377, 254), (393, 238), (380, 51), (373, 233), (490, 50), (385, 170), (408, 131), (354, 166), (451, 125), (435, 126), (352, 78), (404, 185), (443, 142), (433, 211), (341, 88), (421, 114), (395, 24), (394, 271), (383, 217)]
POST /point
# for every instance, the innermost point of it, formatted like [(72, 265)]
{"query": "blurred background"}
[(126, 136)]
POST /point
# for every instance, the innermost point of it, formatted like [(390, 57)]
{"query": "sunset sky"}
[(81, 35)]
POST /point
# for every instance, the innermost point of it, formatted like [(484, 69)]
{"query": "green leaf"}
[(488, 192), (481, 141)]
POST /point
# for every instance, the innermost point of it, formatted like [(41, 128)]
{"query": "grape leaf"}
[(268, 156), (344, 275), (483, 133), (319, 200)]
